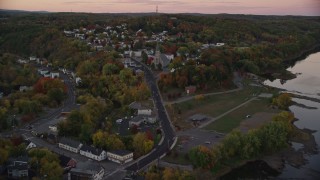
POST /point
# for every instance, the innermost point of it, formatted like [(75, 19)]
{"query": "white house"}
[(32, 58), (70, 145), (22, 61), (86, 170), (47, 75), (136, 54), (169, 56), (25, 88), (53, 128), (29, 144), (54, 75), (43, 71), (93, 153), (142, 119), (120, 156), (147, 112), (220, 44), (78, 80)]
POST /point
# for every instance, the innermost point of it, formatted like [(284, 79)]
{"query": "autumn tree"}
[(45, 163), (141, 144)]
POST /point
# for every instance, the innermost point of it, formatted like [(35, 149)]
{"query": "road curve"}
[(167, 128)]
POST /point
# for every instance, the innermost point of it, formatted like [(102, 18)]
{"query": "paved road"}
[(187, 98), (168, 130)]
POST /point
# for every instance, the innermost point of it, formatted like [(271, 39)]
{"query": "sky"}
[(260, 7)]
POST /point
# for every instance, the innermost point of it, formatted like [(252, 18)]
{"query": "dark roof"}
[(18, 166), (135, 105), (27, 142), (120, 152), (165, 60), (91, 149), (64, 160), (69, 142), (88, 167)]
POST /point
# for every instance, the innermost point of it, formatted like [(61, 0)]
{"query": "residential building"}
[(18, 167), (29, 144), (86, 170), (66, 162), (93, 153), (142, 119), (70, 145), (120, 156), (25, 88), (190, 89), (54, 75), (147, 112)]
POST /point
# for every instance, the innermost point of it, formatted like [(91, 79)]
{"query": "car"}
[(207, 142), (248, 116)]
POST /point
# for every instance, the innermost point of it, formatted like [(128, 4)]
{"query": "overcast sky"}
[(264, 7)]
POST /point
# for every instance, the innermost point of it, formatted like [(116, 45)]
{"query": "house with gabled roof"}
[(29, 144), (70, 145), (66, 162), (93, 153)]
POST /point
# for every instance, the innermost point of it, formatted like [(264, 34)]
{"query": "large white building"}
[(70, 145), (93, 153), (120, 156)]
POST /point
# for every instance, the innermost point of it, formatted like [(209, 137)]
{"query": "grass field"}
[(211, 105), (233, 120)]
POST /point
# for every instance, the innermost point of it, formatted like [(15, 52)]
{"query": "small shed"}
[(190, 89)]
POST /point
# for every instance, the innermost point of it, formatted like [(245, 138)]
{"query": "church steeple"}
[(157, 55)]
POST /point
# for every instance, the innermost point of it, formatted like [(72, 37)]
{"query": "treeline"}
[(167, 173), (238, 146)]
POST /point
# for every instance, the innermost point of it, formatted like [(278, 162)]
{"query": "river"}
[(307, 83)]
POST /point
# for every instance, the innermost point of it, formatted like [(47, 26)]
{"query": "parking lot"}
[(195, 137)]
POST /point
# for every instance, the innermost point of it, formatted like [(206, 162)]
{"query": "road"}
[(167, 128)]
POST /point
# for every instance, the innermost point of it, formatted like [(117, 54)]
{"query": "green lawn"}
[(233, 120)]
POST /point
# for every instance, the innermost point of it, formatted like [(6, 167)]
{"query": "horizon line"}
[(151, 12)]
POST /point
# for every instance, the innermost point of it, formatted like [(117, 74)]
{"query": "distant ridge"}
[(9, 11)]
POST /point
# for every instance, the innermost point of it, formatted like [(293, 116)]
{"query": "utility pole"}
[(157, 9)]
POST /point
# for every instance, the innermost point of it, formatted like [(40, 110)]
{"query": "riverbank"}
[(287, 75)]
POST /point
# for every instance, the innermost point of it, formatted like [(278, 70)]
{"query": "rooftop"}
[(91, 149), (120, 152), (69, 142)]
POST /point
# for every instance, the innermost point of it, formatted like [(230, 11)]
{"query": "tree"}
[(283, 101), (201, 156), (45, 163), (5, 146), (232, 144), (251, 144), (141, 144), (274, 136), (109, 69)]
